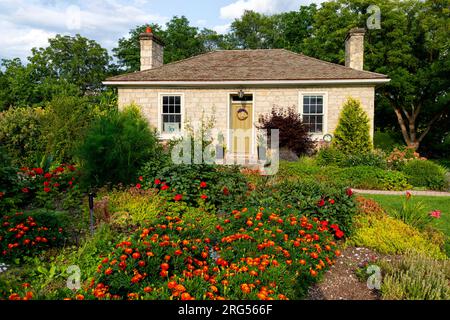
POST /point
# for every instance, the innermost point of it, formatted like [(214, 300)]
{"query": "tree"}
[(76, 60), (352, 134), (411, 48)]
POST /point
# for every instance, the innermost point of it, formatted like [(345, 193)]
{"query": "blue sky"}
[(25, 24)]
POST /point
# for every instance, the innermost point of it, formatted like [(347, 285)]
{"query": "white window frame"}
[(324, 94), (169, 136)]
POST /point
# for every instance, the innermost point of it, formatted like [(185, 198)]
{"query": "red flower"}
[(25, 190), (349, 192), (38, 170), (141, 178), (47, 175), (138, 186), (56, 185), (321, 203), (331, 201), (178, 197), (1, 194), (226, 191), (324, 223), (46, 183), (157, 182), (203, 184), (47, 190), (165, 187), (204, 196), (335, 227), (339, 234)]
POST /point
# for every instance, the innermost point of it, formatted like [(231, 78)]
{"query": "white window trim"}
[(169, 136), (316, 136)]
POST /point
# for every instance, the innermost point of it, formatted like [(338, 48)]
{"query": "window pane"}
[(319, 108), (177, 109), (306, 108), (177, 100), (313, 100), (305, 100), (319, 100), (165, 100), (165, 109), (312, 109)]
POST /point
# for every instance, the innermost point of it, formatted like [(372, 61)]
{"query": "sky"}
[(26, 24)]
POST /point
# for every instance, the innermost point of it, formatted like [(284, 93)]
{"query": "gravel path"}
[(399, 193), (341, 282)]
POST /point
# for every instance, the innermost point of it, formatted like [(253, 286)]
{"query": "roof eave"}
[(377, 81)]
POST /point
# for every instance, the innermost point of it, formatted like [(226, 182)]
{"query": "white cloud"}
[(28, 24), (201, 22), (222, 29), (236, 9)]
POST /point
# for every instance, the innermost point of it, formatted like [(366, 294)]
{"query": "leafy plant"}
[(116, 146), (416, 277), (424, 173), (352, 134), (294, 134), (413, 213)]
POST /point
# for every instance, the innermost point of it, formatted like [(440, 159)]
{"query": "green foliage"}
[(416, 277), (77, 60), (352, 134), (8, 181), (424, 173), (116, 146), (26, 235), (223, 186), (21, 134), (134, 206), (66, 123), (391, 236), (413, 213), (386, 140), (334, 156), (334, 204)]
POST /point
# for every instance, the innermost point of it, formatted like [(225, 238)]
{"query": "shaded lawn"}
[(394, 202)]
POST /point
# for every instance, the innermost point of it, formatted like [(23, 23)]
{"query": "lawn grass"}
[(394, 202)]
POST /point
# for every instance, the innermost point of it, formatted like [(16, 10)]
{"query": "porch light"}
[(241, 94)]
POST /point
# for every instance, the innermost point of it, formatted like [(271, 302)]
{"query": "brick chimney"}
[(152, 50), (354, 48)]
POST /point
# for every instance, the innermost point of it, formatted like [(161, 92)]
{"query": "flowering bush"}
[(25, 235), (400, 156), (44, 186), (251, 254), (208, 186)]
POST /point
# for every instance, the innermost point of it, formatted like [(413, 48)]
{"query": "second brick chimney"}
[(152, 50), (354, 48)]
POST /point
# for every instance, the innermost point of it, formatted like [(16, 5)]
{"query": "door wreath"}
[(242, 114)]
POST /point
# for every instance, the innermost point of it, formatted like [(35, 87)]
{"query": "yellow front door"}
[(241, 126)]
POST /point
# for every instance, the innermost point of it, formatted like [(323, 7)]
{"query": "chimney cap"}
[(354, 31), (151, 36)]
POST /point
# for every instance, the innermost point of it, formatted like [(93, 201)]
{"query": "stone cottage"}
[(237, 86)]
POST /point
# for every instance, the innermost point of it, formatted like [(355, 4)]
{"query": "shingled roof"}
[(248, 65)]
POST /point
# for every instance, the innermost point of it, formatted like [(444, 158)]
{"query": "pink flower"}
[(436, 214)]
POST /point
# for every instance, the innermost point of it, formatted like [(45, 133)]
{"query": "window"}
[(313, 112), (171, 114)]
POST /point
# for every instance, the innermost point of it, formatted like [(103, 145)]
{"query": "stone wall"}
[(215, 101)]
